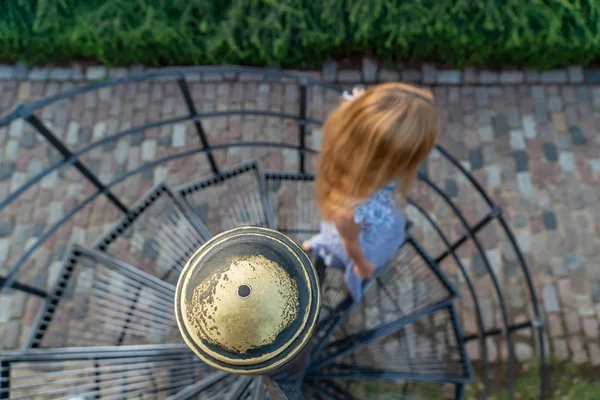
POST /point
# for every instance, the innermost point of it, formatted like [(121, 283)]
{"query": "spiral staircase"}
[(107, 329)]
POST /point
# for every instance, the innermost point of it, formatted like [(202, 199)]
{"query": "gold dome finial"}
[(247, 301)]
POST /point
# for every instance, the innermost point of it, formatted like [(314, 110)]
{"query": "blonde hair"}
[(381, 136)]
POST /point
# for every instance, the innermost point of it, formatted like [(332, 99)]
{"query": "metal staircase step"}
[(222, 385), (235, 197), (192, 391), (359, 390), (418, 354), (221, 389), (295, 210), (422, 348), (403, 337), (98, 300), (159, 234), (410, 286), (102, 372)]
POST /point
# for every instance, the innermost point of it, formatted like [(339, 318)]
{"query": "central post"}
[(247, 302)]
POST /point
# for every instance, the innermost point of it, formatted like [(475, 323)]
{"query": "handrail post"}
[(233, 283), (4, 379), (67, 154), (24, 288), (302, 82), (185, 90)]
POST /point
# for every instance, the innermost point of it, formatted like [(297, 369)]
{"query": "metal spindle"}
[(302, 82), (185, 90)]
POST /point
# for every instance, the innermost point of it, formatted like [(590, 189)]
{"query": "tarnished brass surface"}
[(241, 311), (221, 316)]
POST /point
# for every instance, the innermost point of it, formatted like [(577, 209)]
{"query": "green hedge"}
[(491, 33)]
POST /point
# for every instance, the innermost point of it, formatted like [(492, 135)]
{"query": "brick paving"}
[(530, 139)]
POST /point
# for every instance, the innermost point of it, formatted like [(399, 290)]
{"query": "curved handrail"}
[(490, 271), (523, 264), (178, 73), (141, 128), (470, 288)]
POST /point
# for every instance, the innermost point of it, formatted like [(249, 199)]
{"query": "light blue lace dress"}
[(381, 235)]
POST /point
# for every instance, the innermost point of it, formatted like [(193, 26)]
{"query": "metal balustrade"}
[(126, 303)]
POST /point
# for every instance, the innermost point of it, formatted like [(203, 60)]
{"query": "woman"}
[(373, 140)]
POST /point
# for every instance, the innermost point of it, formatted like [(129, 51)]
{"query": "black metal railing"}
[(72, 158)]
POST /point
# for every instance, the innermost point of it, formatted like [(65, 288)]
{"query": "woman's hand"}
[(365, 271)]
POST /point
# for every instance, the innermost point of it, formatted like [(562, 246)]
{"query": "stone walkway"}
[(534, 147)]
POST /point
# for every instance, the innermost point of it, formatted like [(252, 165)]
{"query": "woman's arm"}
[(349, 232)]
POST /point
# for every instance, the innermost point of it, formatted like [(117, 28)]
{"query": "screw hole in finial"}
[(244, 291)]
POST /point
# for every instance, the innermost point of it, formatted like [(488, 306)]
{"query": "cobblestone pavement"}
[(534, 147)]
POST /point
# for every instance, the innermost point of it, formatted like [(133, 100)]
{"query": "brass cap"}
[(247, 301)]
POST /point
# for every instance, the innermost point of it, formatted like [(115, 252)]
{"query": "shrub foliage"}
[(491, 33)]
